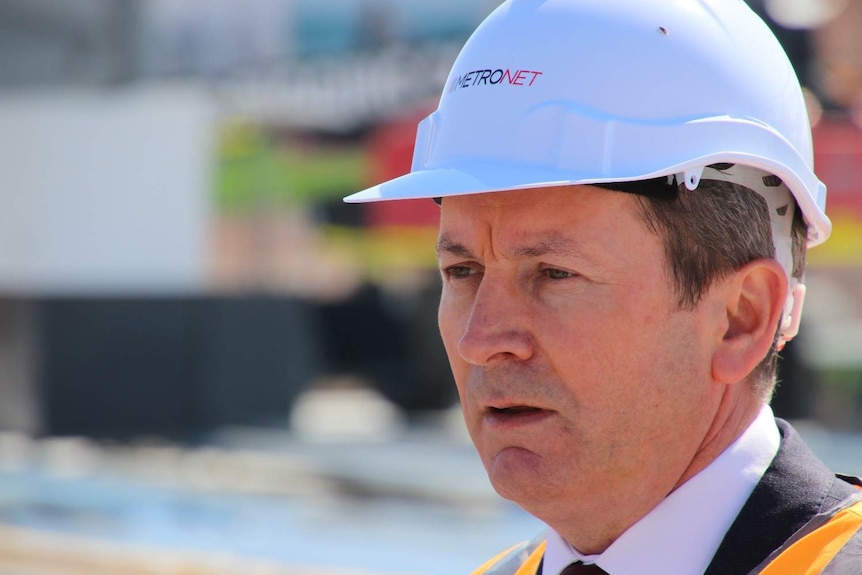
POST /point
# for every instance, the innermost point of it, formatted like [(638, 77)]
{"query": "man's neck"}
[(707, 504), (593, 530), (731, 420)]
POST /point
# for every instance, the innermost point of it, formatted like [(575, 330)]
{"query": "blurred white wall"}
[(104, 191)]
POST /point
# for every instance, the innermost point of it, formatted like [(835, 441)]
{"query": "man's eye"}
[(458, 271), (556, 274)]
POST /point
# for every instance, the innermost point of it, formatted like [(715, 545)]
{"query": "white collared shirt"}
[(682, 533)]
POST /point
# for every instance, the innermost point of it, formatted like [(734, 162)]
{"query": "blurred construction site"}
[(209, 363)]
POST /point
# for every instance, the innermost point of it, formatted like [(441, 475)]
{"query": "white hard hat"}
[(558, 92)]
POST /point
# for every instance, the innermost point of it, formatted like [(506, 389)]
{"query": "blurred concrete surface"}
[(34, 552), (349, 488)]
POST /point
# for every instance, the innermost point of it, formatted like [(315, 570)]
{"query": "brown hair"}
[(712, 231)]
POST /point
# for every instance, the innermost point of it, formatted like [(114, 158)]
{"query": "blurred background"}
[(209, 364)]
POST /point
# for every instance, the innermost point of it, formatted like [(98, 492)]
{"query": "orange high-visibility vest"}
[(832, 540)]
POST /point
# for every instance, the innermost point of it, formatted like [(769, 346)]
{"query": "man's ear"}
[(753, 299)]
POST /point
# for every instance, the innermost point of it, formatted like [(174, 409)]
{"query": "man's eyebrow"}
[(446, 245), (553, 245)]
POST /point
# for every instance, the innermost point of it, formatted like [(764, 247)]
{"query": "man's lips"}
[(515, 415), (514, 409)]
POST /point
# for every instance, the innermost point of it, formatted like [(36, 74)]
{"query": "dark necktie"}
[(581, 569)]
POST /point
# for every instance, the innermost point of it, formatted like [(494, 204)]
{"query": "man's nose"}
[(495, 330)]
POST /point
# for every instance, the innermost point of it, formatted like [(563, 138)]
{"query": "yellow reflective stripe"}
[(531, 565), (490, 562), (811, 554)]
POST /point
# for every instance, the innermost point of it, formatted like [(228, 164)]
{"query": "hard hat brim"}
[(464, 176)]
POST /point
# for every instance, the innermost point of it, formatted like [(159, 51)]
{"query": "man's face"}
[(578, 375)]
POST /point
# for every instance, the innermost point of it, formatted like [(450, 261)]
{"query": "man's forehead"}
[(547, 211), (571, 221), (531, 244), (553, 198), (504, 198), (539, 241)]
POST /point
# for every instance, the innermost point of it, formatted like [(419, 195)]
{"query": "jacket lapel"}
[(795, 487)]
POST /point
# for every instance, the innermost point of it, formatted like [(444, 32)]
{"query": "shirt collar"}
[(705, 505)]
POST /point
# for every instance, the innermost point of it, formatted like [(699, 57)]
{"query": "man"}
[(627, 194)]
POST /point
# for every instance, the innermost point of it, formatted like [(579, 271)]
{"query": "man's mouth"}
[(514, 409), (515, 415)]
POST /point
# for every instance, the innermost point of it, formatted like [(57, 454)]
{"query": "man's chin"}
[(517, 474)]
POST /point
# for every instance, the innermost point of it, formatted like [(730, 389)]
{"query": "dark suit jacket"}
[(795, 487)]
